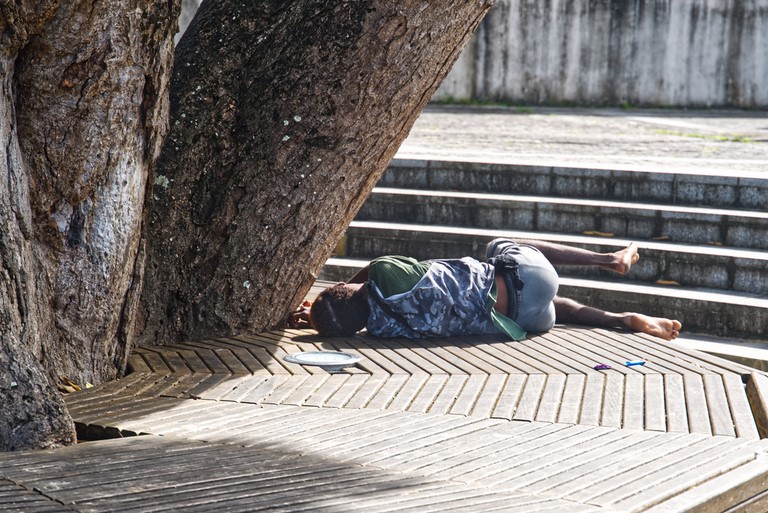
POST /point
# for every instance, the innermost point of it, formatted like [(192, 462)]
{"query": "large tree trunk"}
[(285, 114), (83, 110)]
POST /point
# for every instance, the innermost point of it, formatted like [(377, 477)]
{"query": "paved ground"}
[(713, 140)]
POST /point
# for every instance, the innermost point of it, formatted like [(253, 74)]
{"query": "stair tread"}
[(706, 249), (518, 198)]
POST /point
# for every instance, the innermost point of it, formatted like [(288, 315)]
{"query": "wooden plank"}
[(551, 398), (744, 488), (384, 396), (614, 472), (555, 360), (466, 402), (529, 400), (304, 391), (655, 409), (589, 474), (105, 391), (259, 390), (340, 429), (426, 356), (405, 430), (244, 388), (696, 404), (583, 354), (695, 472), (267, 359), (489, 396), (676, 405), (458, 360), (449, 394), (572, 399), (529, 459), (613, 400), (660, 470), (503, 359), (403, 358), (137, 363), (570, 466), (511, 351), (348, 390), (757, 393), (635, 348), (745, 425), (602, 350), (369, 362), (510, 396), (443, 457), (706, 361), (423, 400), (465, 348), (155, 361), (719, 409), (285, 389), (330, 386), (453, 434), (252, 364), (592, 402), (634, 402), (525, 352), (480, 470), (408, 392)]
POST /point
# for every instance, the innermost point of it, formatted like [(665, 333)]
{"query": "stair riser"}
[(687, 269), (715, 319), (662, 188), (633, 223)]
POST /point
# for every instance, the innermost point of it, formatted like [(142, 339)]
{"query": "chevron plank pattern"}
[(460, 424), (547, 378)]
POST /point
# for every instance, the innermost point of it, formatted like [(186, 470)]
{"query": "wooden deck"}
[(470, 424)]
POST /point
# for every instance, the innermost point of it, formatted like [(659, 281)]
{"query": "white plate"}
[(332, 361)]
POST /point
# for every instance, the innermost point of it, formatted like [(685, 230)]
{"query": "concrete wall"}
[(694, 53)]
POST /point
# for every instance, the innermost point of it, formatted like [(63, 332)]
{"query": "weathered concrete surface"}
[(703, 141), (696, 53)]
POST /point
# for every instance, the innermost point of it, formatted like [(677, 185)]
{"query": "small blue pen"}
[(631, 363)]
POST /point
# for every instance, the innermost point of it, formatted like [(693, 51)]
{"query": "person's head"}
[(339, 311)]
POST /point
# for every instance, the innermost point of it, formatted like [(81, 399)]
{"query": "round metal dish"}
[(331, 361)]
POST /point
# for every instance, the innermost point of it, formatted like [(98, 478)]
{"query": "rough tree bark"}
[(83, 110), (285, 114)]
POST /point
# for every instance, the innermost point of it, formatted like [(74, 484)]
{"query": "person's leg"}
[(569, 311), (619, 261)]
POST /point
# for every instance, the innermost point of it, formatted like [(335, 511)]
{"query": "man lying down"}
[(513, 292)]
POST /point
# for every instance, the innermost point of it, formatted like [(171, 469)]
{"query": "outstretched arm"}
[(558, 254), (569, 311)]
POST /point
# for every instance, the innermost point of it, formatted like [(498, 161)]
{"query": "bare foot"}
[(667, 329), (624, 259)]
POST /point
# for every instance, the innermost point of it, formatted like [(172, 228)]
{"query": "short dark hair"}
[(339, 311)]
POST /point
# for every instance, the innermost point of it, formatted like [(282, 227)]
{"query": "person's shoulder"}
[(392, 260)]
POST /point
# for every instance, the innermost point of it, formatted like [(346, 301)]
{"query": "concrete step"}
[(637, 221), (739, 190), (708, 313), (697, 266)]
